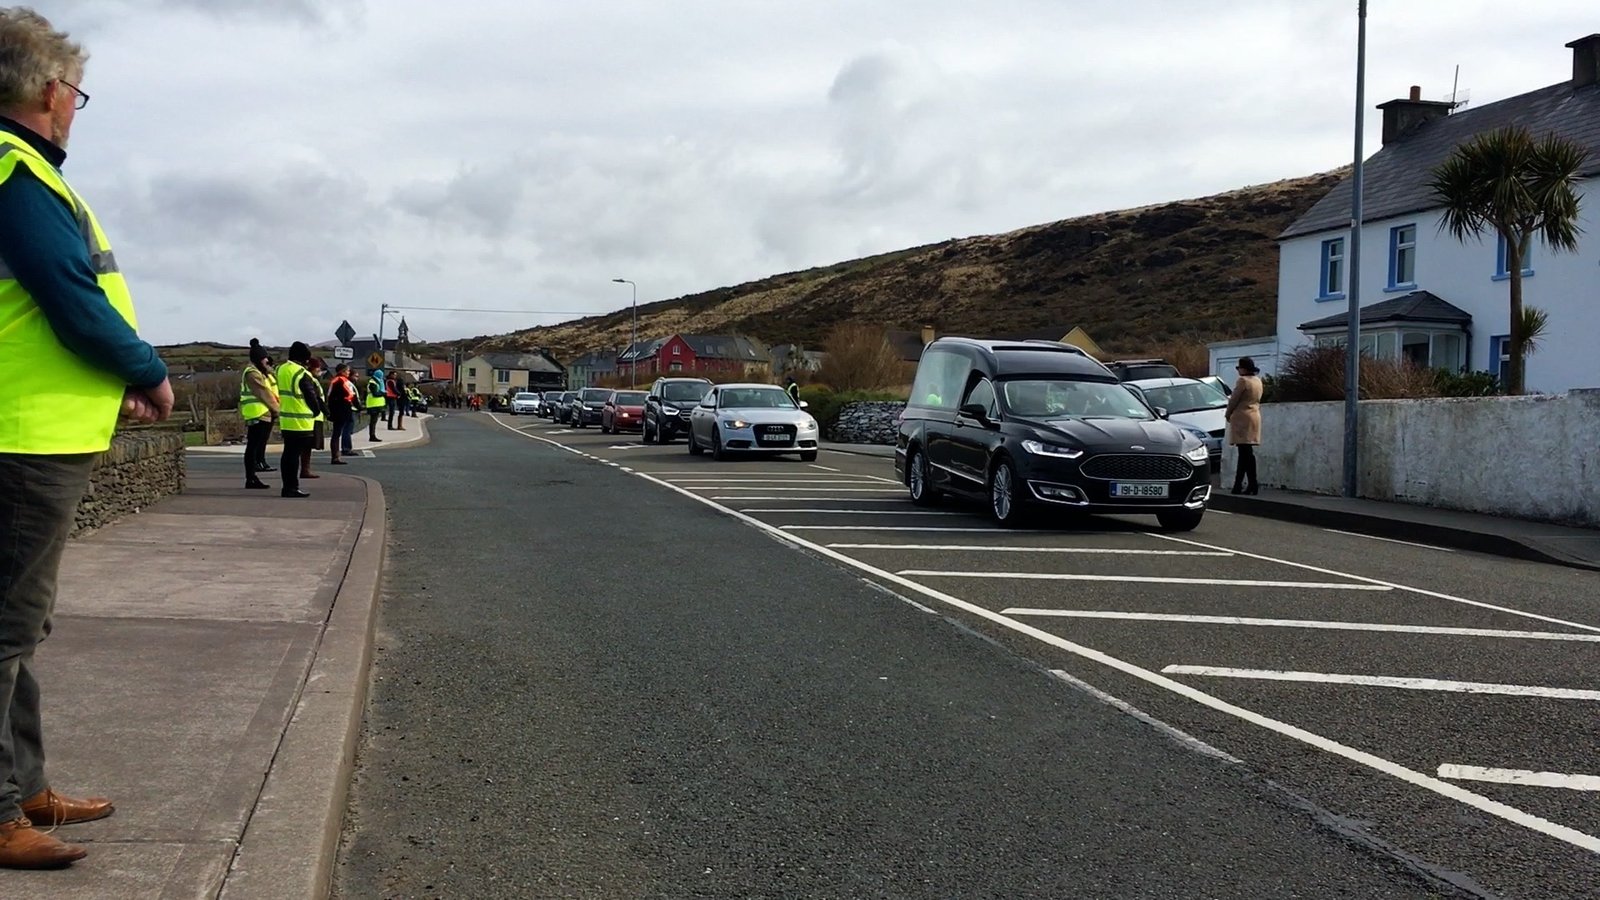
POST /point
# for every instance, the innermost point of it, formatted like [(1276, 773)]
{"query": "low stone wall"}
[(867, 422), (140, 468), (1524, 457)]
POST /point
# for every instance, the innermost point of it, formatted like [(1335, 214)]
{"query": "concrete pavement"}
[(414, 435), (207, 671)]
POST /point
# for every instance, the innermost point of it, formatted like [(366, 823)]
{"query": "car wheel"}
[(717, 452), (808, 456), (694, 445), (922, 493), (1004, 504), (1180, 519)]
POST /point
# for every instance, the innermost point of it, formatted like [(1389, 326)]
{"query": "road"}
[(610, 670)]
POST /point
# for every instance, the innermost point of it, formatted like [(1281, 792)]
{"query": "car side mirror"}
[(1161, 412), (804, 405), (975, 411)]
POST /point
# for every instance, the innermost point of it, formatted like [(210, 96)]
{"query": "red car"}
[(624, 411)]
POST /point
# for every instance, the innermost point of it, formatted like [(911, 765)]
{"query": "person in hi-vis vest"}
[(71, 362), (299, 404), (258, 407), (377, 402)]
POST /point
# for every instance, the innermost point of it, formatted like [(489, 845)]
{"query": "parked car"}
[(751, 418), (584, 408), (1033, 427), (524, 404), (1141, 369), (547, 404), (562, 413), (1192, 404), (667, 407), (623, 411)]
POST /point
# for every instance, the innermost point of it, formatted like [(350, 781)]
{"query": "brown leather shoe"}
[(47, 809), (23, 846)]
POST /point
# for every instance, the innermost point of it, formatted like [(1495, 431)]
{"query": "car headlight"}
[(735, 423), (808, 425), (1198, 454), (1040, 448)]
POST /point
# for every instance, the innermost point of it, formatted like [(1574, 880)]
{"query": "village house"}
[(696, 354), (501, 374)]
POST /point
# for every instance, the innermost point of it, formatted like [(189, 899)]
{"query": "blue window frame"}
[(1500, 355), (1501, 273), (1403, 258), (1331, 286)]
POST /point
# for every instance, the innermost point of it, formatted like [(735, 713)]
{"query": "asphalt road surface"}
[(611, 670)]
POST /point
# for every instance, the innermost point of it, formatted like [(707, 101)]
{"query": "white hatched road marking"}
[(1505, 811), (818, 499), (1409, 684), (823, 468), (1146, 579), (1521, 777), (841, 482), (895, 528), (1305, 623), (844, 490), (860, 512), (980, 548), (1399, 587), (1373, 537)]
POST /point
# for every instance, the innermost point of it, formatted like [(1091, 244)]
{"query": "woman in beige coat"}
[(1244, 425)]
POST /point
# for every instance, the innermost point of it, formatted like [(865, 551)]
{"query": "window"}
[(677, 350), (1449, 352), (982, 394), (1500, 356), (502, 376), (472, 371), (1332, 287), (1403, 257), (1501, 273), (676, 366), (472, 388), (940, 377)]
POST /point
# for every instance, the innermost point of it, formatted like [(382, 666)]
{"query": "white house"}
[(1426, 296)]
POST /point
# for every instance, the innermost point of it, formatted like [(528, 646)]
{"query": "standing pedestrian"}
[(1244, 425), (793, 390), (72, 360), (342, 405), (258, 407), (375, 403), (319, 425), (391, 394), (298, 405)]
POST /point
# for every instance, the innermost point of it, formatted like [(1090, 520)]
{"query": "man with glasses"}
[(71, 360)]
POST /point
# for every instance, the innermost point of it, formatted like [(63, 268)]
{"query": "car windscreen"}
[(1152, 370), (528, 397), (684, 391), (1182, 398), (567, 396), (1056, 398), (755, 398), (629, 398), (595, 396)]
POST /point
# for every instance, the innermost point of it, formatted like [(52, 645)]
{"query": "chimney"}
[(928, 334), (1585, 61), (1401, 117)]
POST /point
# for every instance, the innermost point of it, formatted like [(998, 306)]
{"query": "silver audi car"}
[(736, 419)]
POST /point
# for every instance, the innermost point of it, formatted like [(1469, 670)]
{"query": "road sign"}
[(375, 360), (344, 333), (344, 353)]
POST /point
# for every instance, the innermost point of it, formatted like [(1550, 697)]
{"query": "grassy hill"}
[(1201, 269)]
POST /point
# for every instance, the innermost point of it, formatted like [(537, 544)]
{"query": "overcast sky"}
[(270, 167)]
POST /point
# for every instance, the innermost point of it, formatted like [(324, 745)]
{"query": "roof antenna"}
[(1457, 100)]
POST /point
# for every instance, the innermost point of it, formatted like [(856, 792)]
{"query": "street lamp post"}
[(633, 342), (1352, 379)]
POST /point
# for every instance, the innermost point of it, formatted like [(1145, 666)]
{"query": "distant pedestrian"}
[(376, 403), (394, 395), (793, 390), (343, 402), (1244, 425), (73, 362), (258, 407), (319, 425), (299, 402)]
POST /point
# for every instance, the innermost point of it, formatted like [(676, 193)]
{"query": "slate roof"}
[(722, 346), (644, 349), (598, 361), (1397, 176), (1417, 306), (523, 362)]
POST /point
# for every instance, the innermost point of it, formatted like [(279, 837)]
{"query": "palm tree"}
[(1519, 187)]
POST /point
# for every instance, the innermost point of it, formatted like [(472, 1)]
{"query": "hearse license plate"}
[(1144, 490)]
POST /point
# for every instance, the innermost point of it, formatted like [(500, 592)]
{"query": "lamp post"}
[(633, 342), (1352, 375)]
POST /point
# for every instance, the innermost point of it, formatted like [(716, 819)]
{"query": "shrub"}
[(1467, 384), (1191, 358), (859, 357), (824, 403), (1317, 373)]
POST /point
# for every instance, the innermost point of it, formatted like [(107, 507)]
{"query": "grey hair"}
[(32, 54)]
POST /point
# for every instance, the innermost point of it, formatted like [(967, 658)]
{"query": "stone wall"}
[(1525, 457), (140, 468), (867, 422)]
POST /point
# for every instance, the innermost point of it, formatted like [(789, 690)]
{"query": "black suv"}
[(667, 408), (586, 405), (1140, 369), (1038, 425)]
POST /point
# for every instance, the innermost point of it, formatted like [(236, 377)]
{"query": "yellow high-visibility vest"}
[(52, 400), (250, 406), (294, 414), (376, 399)]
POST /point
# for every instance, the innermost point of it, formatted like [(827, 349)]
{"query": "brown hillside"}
[(1203, 269)]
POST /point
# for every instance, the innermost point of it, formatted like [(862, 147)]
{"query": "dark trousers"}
[(296, 447), (1244, 474), (373, 415), (343, 426), (391, 408), (256, 436), (38, 496)]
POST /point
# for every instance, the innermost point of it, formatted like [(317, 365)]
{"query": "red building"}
[(697, 354)]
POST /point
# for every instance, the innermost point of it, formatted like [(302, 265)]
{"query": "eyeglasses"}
[(81, 100)]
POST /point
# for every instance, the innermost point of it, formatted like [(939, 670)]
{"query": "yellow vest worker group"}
[(51, 400), (294, 414)]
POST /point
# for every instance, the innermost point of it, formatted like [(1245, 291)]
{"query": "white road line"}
[(860, 512), (684, 482), (824, 468), (900, 500), (1505, 811), (1410, 684), (1117, 703), (885, 528), (1521, 777), (1399, 587), (846, 490), (1144, 579), (1303, 623), (981, 548), (1373, 537)]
